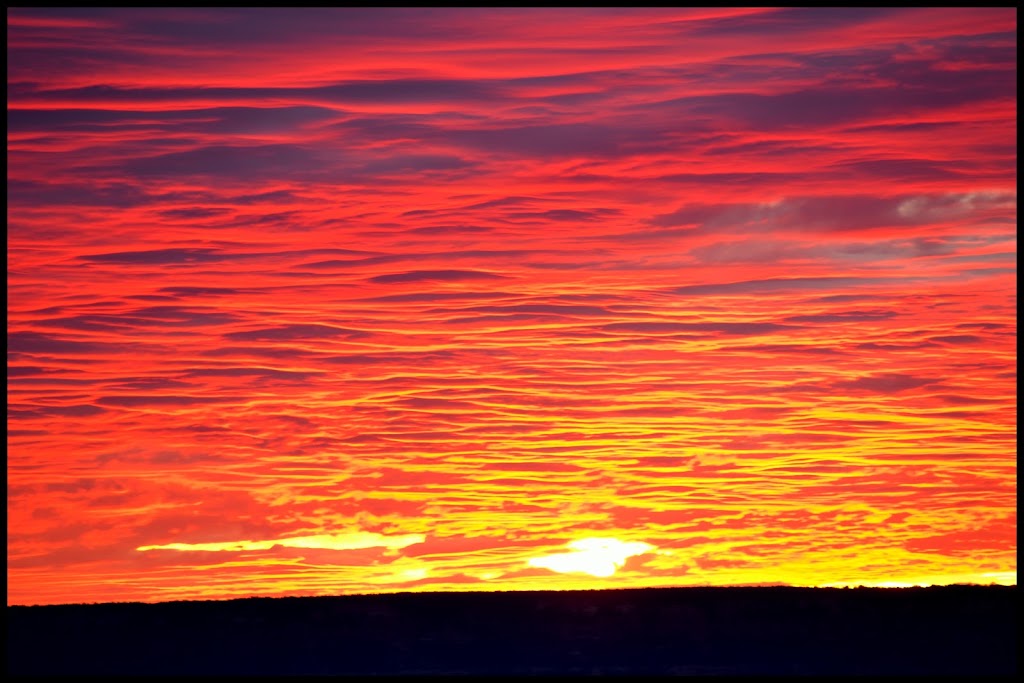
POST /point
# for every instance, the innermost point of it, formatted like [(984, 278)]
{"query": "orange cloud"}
[(349, 541), (737, 282)]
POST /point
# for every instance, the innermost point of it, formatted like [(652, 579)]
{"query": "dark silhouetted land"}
[(963, 630)]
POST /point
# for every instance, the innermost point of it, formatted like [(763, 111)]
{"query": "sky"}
[(332, 301)]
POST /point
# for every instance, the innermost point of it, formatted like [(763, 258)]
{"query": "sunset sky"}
[(326, 301)]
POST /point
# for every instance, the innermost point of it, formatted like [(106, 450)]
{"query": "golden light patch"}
[(415, 574), (600, 557)]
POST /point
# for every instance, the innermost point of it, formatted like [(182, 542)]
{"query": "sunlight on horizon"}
[(600, 557)]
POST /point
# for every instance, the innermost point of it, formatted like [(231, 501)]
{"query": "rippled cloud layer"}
[(318, 301)]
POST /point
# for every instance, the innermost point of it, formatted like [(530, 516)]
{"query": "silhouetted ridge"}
[(966, 630)]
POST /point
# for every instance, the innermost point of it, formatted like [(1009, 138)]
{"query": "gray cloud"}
[(297, 331), (887, 383), (843, 317), (835, 213), (161, 256), (435, 275), (416, 297), (672, 327), (34, 342), (777, 285), (139, 401)]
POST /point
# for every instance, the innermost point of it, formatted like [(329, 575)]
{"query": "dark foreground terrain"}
[(964, 630)]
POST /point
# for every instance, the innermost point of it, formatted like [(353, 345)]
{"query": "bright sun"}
[(599, 557)]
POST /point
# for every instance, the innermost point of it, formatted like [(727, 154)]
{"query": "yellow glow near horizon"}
[(600, 557), (985, 578)]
